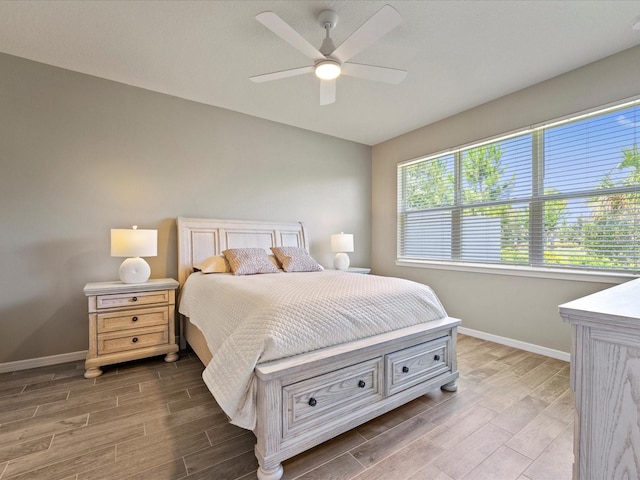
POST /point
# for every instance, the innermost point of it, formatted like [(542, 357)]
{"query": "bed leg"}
[(273, 473), (450, 387)]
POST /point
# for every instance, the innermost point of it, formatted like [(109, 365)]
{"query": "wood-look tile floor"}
[(511, 419)]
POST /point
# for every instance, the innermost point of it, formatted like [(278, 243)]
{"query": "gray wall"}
[(520, 308), (81, 155)]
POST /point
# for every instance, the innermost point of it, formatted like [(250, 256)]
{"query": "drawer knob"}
[(134, 319), (361, 384), (134, 339), (405, 369), (436, 358), (134, 299), (312, 402)]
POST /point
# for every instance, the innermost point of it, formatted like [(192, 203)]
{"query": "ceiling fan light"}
[(327, 70)]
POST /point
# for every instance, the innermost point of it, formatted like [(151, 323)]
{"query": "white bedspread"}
[(248, 320)]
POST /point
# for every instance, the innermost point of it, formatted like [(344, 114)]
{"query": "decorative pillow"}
[(276, 263), (249, 261), (214, 264), (296, 259)]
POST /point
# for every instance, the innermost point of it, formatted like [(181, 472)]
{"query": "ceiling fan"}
[(330, 62)]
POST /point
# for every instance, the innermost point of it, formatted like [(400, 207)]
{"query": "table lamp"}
[(341, 243), (134, 243)]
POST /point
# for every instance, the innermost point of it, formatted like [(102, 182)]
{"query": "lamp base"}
[(134, 270), (341, 261)]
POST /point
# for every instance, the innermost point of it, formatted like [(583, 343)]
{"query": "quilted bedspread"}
[(248, 320)]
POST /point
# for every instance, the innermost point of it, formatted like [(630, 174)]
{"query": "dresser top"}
[(105, 288), (619, 304)]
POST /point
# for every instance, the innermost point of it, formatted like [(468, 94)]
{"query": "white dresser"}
[(605, 378)]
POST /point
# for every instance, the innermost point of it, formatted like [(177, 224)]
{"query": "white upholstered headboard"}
[(200, 238)]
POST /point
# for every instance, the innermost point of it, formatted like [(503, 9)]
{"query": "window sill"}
[(520, 271)]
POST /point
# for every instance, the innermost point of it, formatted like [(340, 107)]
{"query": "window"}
[(566, 195)]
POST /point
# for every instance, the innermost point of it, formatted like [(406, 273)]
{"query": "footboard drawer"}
[(417, 364), (330, 396)]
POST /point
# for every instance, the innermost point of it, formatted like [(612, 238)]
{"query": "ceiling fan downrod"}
[(328, 19)]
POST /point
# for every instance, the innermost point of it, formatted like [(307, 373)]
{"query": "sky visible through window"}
[(579, 155)]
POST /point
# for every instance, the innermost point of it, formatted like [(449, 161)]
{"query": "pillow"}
[(249, 261), (214, 264), (274, 260), (296, 259)]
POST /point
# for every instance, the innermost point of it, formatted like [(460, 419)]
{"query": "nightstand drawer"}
[(144, 317), (116, 342), (413, 365), (132, 300), (312, 401)]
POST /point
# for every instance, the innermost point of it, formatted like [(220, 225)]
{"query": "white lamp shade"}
[(127, 242), (342, 242)]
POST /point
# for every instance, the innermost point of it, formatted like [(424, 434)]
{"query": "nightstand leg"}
[(171, 357), (92, 372)]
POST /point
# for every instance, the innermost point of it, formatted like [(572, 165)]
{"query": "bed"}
[(294, 398)]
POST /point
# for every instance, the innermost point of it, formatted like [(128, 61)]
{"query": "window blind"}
[(565, 195)]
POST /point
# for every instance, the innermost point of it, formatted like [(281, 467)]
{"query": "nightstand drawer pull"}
[(134, 299), (134, 319), (312, 402), (436, 358), (405, 369), (362, 384), (134, 339)]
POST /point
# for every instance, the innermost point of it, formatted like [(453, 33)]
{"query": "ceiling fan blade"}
[(281, 28), (267, 77), (371, 72), (327, 91), (382, 22)]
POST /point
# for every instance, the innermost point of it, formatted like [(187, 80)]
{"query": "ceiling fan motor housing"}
[(328, 19)]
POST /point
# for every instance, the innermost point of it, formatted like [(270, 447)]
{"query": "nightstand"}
[(357, 270), (128, 321)]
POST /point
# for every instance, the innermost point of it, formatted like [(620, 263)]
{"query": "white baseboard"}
[(75, 356), (529, 347), (42, 361)]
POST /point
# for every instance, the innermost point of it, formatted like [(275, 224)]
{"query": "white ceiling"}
[(459, 54)]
